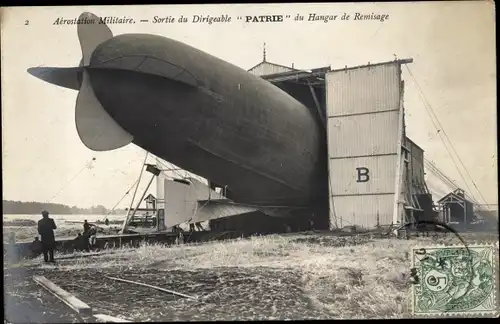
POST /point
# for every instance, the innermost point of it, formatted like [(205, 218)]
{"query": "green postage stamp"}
[(455, 281)]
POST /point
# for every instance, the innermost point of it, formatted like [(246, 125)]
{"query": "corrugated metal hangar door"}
[(365, 133)]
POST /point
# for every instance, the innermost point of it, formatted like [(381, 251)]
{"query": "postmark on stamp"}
[(455, 281)]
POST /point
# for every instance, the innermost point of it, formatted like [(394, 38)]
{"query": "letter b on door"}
[(363, 174)]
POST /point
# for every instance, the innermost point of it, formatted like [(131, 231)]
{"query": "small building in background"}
[(456, 208), (150, 203)]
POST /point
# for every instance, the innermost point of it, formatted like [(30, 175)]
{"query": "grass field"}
[(261, 278)]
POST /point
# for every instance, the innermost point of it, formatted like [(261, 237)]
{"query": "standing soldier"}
[(86, 235), (46, 227), (86, 227)]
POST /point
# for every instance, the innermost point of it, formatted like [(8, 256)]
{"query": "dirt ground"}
[(223, 294), (282, 278), (26, 302)]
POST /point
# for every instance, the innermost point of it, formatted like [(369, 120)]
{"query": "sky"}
[(452, 44)]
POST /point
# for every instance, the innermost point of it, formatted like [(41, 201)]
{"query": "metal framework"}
[(155, 172)]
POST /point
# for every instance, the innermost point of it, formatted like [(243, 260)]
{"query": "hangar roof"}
[(314, 76), (457, 195), (279, 73)]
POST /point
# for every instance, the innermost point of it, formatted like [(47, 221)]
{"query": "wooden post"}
[(317, 104), (63, 295), (464, 207), (398, 206), (124, 226), (138, 204)]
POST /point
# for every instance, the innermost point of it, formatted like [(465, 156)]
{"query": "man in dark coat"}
[(46, 227), (86, 227)]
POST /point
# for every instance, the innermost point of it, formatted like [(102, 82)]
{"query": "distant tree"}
[(33, 207)]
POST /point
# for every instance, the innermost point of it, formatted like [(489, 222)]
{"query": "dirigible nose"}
[(148, 54)]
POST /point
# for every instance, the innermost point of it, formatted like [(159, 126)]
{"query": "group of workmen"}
[(47, 242), (193, 227), (85, 241)]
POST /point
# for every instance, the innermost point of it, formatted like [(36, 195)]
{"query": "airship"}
[(199, 112)]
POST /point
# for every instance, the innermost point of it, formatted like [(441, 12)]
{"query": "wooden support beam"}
[(67, 298), (154, 287), (110, 319), (131, 216), (317, 104)]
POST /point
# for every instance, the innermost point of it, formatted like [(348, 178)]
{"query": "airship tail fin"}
[(193, 201), (215, 209), (91, 36), (96, 128), (63, 77)]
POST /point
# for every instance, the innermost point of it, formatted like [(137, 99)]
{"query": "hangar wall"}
[(416, 167), (365, 138), (180, 205)]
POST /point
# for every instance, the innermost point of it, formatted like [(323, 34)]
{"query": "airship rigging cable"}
[(434, 170), (119, 201), (88, 165), (443, 136), (447, 181), (437, 172)]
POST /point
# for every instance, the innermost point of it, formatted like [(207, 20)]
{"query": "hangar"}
[(375, 172)]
